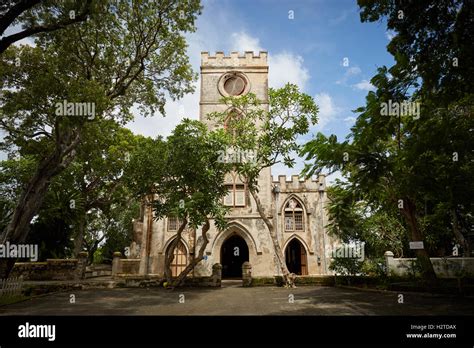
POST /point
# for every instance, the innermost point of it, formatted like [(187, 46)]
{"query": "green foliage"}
[(194, 184), (271, 134), (426, 160), (351, 218), (147, 164), (374, 267), (98, 257), (184, 172), (13, 174), (429, 37), (346, 266), (117, 227)]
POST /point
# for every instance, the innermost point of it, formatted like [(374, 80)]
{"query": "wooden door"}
[(304, 261)]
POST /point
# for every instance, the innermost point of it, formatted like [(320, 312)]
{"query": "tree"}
[(271, 136), (98, 170), (117, 226), (433, 42), (36, 16), (188, 184), (354, 219), (126, 53), (409, 160), (89, 197)]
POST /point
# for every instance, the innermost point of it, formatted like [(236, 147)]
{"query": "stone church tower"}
[(296, 207)]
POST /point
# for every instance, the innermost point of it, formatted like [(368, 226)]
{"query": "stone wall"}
[(124, 266), (452, 267), (129, 266), (52, 269), (98, 271)]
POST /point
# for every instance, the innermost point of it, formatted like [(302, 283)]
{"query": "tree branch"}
[(16, 10), (8, 40)]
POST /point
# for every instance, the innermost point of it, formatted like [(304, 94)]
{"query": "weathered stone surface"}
[(246, 274), (52, 269)]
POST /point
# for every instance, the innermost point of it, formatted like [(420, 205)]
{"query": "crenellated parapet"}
[(248, 59), (297, 183)]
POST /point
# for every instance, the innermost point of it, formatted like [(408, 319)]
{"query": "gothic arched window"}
[(235, 196), (173, 223), (294, 216), (230, 123)]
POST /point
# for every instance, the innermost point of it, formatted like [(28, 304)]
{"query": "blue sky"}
[(308, 50)]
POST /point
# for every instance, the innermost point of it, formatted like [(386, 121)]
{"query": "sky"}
[(320, 45)]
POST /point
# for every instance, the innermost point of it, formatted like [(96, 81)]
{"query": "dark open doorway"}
[(234, 253), (296, 259)]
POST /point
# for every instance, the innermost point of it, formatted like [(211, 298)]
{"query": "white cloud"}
[(327, 109), (284, 66), (350, 72), (353, 70), (341, 18), (242, 42), (364, 85), (176, 111), (287, 67)]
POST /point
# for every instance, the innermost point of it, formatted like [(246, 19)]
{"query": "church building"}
[(297, 207)]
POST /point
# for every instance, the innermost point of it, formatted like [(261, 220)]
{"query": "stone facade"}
[(301, 231)]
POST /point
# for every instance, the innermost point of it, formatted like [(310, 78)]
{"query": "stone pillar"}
[(246, 274), (388, 261), (81, 265), (217, 274), (116, 263)]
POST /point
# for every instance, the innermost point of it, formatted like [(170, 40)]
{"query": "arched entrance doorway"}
[(234, 252), (180, 259), (295, 256)]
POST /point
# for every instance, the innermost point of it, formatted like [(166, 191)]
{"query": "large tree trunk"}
[(287, 279), (79, 237), (180, 279), (32, 197), (170, 255), (466, 251), (427, 270), (6, 266)]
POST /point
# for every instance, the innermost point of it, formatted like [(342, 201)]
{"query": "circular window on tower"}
[(233, 84)]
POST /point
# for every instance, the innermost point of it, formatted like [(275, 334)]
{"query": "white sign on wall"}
[(416, 245)]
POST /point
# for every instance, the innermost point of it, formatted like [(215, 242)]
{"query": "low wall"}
[(124, 266), (95, 271), (128, 270), (52, 269), (444, 267), (129, 266)]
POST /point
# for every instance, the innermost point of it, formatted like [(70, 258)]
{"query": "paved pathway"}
[(235, 300)]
